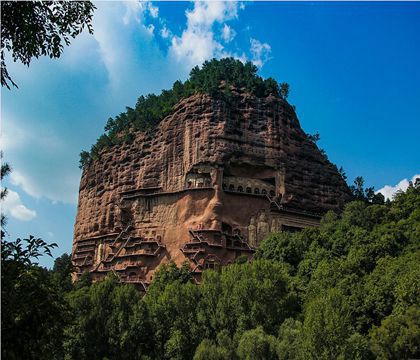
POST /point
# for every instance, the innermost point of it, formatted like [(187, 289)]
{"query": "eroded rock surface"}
[(205, 187)]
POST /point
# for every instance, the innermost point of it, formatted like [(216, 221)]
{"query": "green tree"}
[(255, 344), (109, 320), (326, 326), (284, 247), (288, 343), (33, 28), (365, 194), (33, 309), (240, 298), (342, 173), (398, 336), (85, 158), (391, 287), (357, 347), (284, 90), (5, 171), (208, 350), (174, 318), (61, 272), (314, 137), (168, 274)]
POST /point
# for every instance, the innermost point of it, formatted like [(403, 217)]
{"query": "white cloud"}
[(115, 43), (228, 33), (389, 191), (128, 48), (165, 32), (42, 184), (260, 52), (205, 14), (243, 58), (14, 137), (194, 48), (39, 158), (133, 10), (137, 9), (13, 206), (153, 10), (197, 42), (23, 182)]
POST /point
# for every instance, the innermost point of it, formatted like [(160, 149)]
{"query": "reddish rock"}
[(205, 187)]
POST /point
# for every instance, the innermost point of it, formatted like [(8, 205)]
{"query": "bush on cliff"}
[(208, 79)]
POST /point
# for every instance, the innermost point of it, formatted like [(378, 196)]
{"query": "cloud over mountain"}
[(389, 191)]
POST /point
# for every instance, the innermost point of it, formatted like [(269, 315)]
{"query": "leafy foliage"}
[(255, 344), (109, 321), (33, 311), (398, 337), (5, 171), (358, 274), (23, 254), (33, 28), (215, 77), (345, 290), (365, 194), (314, 137), (208, 350)]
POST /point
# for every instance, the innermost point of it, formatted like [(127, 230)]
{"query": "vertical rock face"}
[(206, 186)]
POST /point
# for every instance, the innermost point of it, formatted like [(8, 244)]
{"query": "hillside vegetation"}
[(151, 109), (346, 290)]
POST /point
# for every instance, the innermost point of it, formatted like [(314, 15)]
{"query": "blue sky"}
[(352, 67)]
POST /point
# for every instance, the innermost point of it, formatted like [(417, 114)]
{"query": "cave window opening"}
[(291, 229), (240, 188), (209, 265), (226, 228), (256, 191), (248, 190), (271, 181), (264, 192), (231, 187)]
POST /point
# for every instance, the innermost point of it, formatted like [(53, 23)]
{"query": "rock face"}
[(206, 186)]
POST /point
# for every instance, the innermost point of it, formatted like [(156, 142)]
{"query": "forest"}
[(346, 290), (215, 78)]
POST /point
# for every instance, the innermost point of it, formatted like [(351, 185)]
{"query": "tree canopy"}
[(33, 28), (345, 290)]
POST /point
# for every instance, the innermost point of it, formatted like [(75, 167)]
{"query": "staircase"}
[(122, 238), (273, 202)]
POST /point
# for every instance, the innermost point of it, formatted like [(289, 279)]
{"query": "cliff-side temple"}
[(206, 186)]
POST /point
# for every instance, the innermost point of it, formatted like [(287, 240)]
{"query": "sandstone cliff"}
[(217, 173)]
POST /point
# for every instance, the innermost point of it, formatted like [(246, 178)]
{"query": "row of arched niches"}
[(234, 184)]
